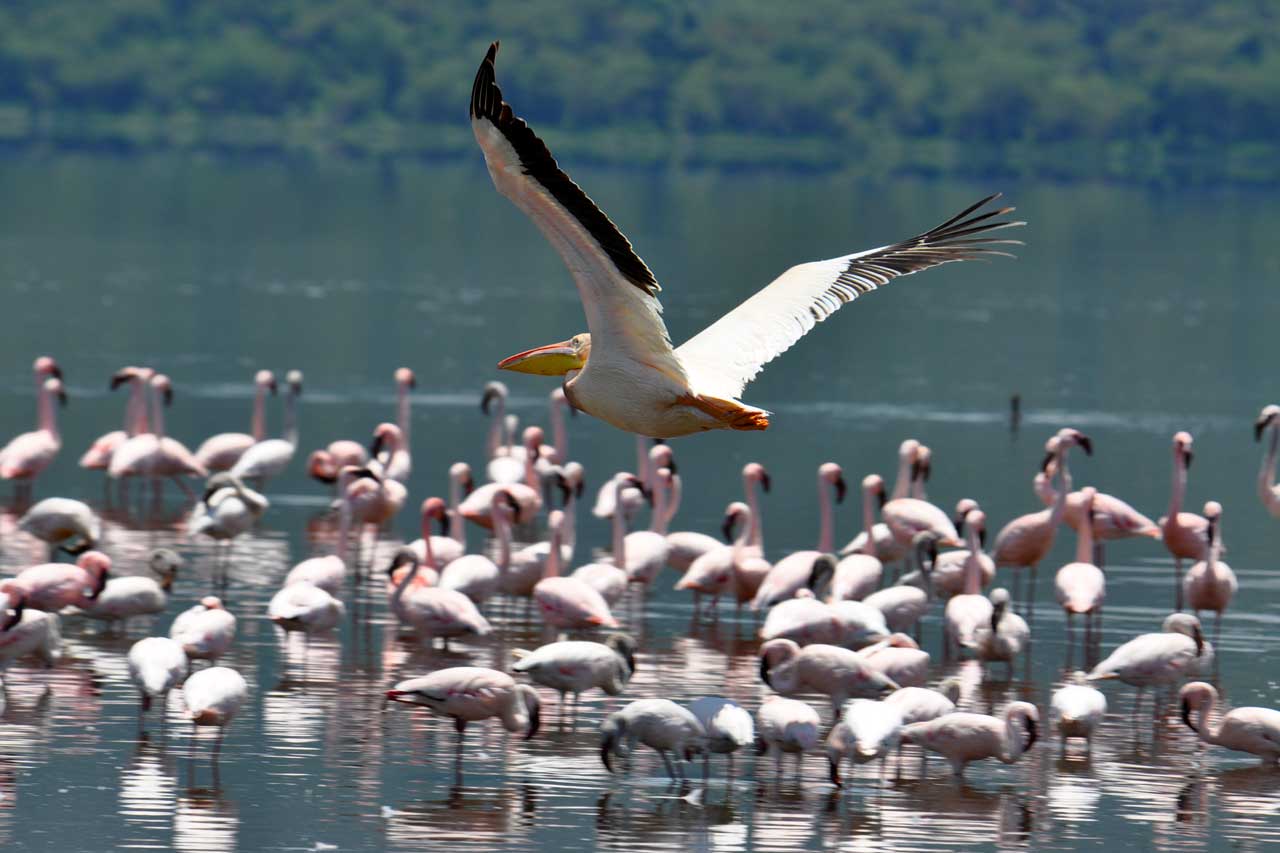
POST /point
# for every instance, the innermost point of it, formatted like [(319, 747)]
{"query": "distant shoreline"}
[(646, 149)]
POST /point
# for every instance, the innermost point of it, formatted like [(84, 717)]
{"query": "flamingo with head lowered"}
[(625, 370)]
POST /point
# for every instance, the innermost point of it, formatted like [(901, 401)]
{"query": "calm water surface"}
[(1128, 315)]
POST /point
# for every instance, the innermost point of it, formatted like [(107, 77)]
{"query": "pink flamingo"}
[(213, 697), (908, 451), (328, 573), (796, 570), (1080, 586), (1185, 534), (905, 517), (446, 548), (475, 508), (204, 631), (1210, 584), (221, 452), (962, 737), (1158, 659), (1250, 729), (858, 574), (29, 632), (1112, 517), (950, 567), (468, 694), (431, 611), (24, 457), (904, 606), (43, 368), (838, 673), (390, 452), (787, 725), (880, 542), (175, 459), (900, 658), (374, 499), (475, 575), (570, 603), (734, 567), (325, 464), (53, 586), (1027, 539), (969, 611), (98, 456), (1268, 491), (684, 546), (609, 578), (428, 573), (920, 473), (646, 551)]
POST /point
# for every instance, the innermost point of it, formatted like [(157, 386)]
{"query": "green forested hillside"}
[(1179, 90)]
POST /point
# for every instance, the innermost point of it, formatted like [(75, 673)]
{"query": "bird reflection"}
[(473, 816), (205, 820)]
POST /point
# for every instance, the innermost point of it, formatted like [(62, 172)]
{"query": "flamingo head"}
[(98, 565), (1052, 448), (505, 504), (1213, 512), (294, 380), (661, 456), (963, 507), (435, 508), (160, 382), (404, 557), (873, 485), (907, 451), (551, 359), (1188, 626), (211, 602), (925, 544), (754, 472), (45, 365), (624, 645), (923, 465), (53, 387), (386, 435), (1071, 437), (830, 472), (824, 568), (165, 562), (17, 603), (773, 654), (736, 512), (265, 380), (322, 466), (1266, 418), (1194, 696), (532, 440), (1182, 447), (460, 472), (405, 378), (612, 733), (492, 391)]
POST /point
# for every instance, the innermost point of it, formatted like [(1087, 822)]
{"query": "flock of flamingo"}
[(840, 623)]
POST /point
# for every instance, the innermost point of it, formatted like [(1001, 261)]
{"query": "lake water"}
[(1129, 315)]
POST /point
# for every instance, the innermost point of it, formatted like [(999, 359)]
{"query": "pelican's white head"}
[(552, 359)]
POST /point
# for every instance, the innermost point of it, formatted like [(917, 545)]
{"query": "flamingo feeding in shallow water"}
[(625, 371)]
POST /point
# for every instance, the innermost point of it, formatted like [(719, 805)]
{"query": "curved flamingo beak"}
[(550, 360)]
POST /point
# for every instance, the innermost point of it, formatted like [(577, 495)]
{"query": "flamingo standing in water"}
[(328, 573), (26, 455), (156, 666), (174, 460), (786, 725), (576, 666), (1027, 539), (867, 730), (903, 606), (609, 578), (646, 551), (1210, 584), (962, 737), (659, 724), (446, 548), (859, 573), (123, 598), (431, 611), (736, 567), (1078, 710), (1080, 586), (684, 546), (389, 453), (475, 575), (204, 631), (796, 570), (1185, 534), (833, 671), (270, 457), (528, 494), (570, 603), (1158, 659), (1253, 730), (28, 632), (1268, 491), (468, 694), (62, 523), (969, 611), (905, 517), (98, 456), (222, 451), (887, 548), (53, 586), (213, 697), (1004, 637), (43, 368)]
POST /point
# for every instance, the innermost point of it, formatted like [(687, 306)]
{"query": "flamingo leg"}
[(1177, 584)]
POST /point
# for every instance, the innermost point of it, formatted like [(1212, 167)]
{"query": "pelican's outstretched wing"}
[(618, 292), (725, 356)]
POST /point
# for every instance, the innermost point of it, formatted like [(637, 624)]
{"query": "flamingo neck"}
[(258, 425), (619, 529), (743, 539), (868, 522), (1267, 476), (402, 412), (407, 579), (902, 483), (642, 462), (1084, 541), (502, 530), (1012, 738), (291, 418), (552, 569), (456, 521), (1060, 497), (135, 411), (559, 435), (530, 468), (1179, 488), (824, 518), (658, 518), (496, 424), (47, 412), (157, 414), (344, 518), (755, 527), (973, 563), (674, 494)]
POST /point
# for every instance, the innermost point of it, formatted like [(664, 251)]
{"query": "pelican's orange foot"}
[(732, 415)]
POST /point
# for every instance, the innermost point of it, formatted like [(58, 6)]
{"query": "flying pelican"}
[(625, 371), (1185, 534)]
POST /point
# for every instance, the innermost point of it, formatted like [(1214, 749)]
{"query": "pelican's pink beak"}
[(550, 360)]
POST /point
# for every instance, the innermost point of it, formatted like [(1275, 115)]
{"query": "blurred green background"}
[(1173, 92)]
